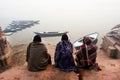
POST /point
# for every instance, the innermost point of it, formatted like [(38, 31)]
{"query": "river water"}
[(75, 31)]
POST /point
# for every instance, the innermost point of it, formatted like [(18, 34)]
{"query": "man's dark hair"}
[(37, 38), (64, 37)]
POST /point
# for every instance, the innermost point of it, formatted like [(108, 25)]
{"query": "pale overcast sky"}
[(33, 8), (61, 10)]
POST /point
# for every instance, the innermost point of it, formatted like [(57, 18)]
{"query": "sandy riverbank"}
[(110, 68)]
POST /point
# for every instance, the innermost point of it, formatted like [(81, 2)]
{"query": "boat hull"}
[(78, 43), (50, 34)]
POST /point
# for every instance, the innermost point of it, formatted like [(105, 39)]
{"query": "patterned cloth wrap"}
[(86, 56), (63, 56), (86, 59)]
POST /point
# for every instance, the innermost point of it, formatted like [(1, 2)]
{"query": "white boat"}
[(78, 43), (50, 34), (8, 34)]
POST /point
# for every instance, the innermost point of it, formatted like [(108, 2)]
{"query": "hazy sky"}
[(57, 8), (68, 11), (76, 16)]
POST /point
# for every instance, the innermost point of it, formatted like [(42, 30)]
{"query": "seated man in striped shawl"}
[(86, 55)]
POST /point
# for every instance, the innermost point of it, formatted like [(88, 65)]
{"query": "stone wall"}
[(5, 50), (109, 46)]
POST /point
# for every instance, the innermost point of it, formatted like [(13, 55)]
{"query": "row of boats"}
[(112, 38), (19, 25)]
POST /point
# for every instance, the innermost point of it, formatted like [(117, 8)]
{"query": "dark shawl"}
[(37, 56)]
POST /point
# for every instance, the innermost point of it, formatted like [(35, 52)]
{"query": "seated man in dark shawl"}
[(86, 55), (63, 55), (37, 55)]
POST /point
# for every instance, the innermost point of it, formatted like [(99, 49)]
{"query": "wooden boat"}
[(112, 33), (50, 34), (111, 42), (78, 43), (18, 26)]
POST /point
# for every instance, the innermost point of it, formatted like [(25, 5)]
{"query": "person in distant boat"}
[(37, 55), (86, 55), (63, 55)]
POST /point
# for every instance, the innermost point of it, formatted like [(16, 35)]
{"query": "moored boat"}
[(19, 25), (111, 42), (78, 43), (50, 34)]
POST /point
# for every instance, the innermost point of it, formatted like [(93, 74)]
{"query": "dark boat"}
[(50, 34), (19, 25), (78, 43)]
